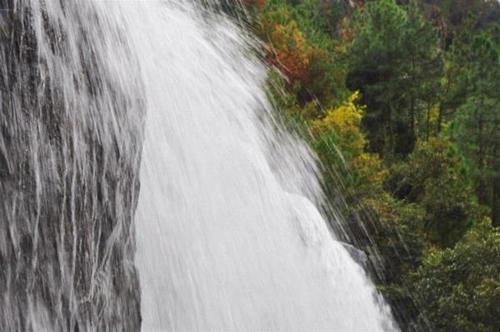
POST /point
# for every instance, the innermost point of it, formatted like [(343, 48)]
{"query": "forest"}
[(400, 100)]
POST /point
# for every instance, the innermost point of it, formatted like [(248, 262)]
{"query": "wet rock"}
[(358, 255), (70, 145)]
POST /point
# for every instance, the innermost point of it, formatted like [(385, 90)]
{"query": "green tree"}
[(459, 288), (476, 128), (435, 177), (457, 12), (396, 64)]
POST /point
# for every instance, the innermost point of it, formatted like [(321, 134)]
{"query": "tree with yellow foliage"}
[(341, 128)]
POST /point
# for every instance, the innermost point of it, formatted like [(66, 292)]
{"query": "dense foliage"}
[(401, 102)]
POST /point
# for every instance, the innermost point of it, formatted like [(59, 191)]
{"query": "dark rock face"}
[(70, 144)]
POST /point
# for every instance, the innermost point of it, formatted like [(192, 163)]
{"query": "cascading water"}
[(228, 232), (229, 237)]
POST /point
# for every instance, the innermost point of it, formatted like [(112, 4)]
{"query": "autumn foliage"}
[(287, 48), (257, 3)]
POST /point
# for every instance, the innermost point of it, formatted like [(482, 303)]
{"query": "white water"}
[(228, 234)]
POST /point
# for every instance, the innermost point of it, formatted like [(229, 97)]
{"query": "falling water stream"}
[(228, 231), (229, 237)]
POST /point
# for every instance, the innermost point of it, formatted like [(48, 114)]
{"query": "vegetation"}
[(401, 102)]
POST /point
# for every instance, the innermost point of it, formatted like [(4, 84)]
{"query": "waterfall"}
[(228, 230), (99, 96)]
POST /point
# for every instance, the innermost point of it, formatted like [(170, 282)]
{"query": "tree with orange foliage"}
[(287, 48), (258, 3)]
